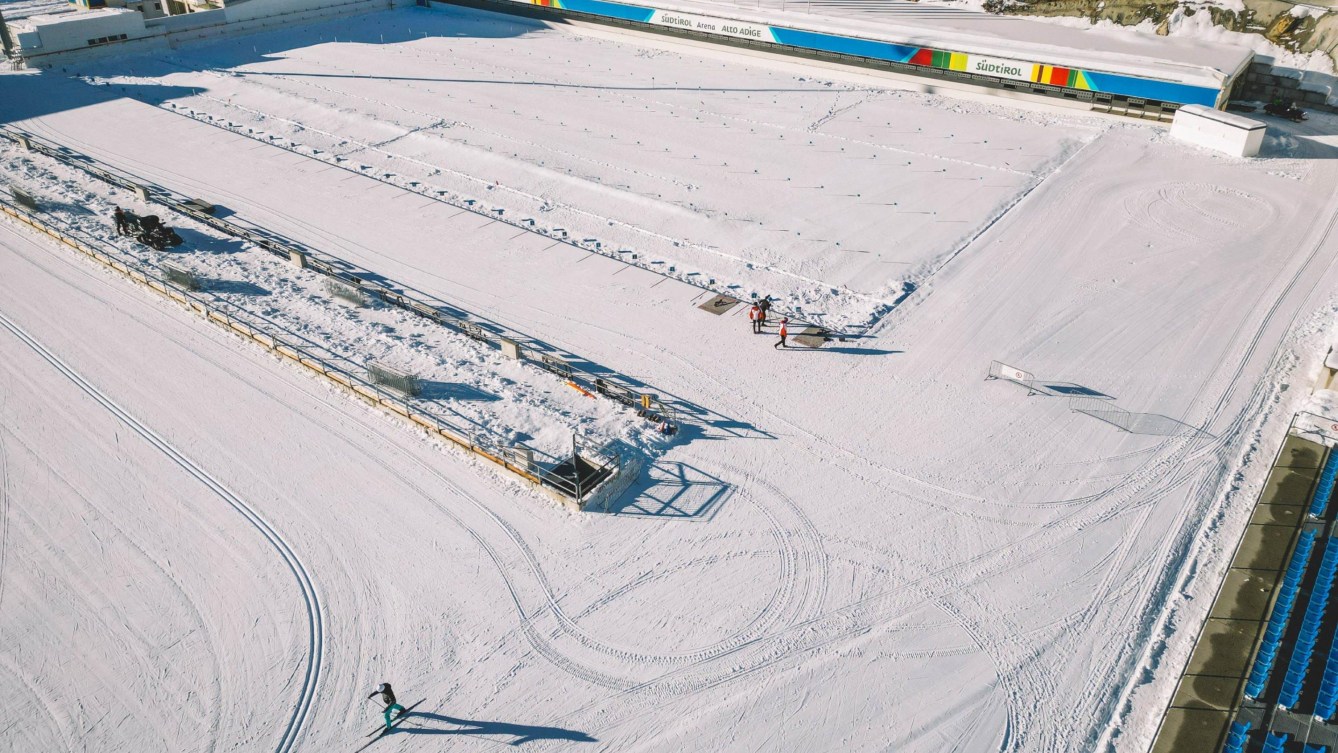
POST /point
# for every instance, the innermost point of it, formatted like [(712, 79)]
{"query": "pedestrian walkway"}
[(1211, 692)]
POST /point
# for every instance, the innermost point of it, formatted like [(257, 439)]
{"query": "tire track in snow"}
[(112, 615), (5, 490), (1190, 542), (1182, 546), (782, 606), (539, 642), (678, 681), (1140, 489), (34, 691), (315, 638)]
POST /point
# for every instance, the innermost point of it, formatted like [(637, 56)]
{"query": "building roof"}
[(1115, 50)]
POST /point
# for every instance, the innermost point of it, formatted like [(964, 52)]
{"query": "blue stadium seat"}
[(1328, 685), (1315, 748), (1237, 737), (1299, 665), (1282, 611), (1325, 489), (1274, 742)]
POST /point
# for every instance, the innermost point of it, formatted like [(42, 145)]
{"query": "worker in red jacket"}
[(784, 332), (755, 316)]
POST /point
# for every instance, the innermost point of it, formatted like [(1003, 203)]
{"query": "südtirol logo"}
[(1002, 69)]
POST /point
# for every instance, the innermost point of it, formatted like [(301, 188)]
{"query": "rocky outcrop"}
[(1297, 28)]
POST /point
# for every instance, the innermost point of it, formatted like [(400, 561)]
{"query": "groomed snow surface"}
[(865, 547)]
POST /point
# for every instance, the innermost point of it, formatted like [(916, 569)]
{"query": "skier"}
[(121, 225), (388, 696), (754, 316), (784, 331), (763, 306)]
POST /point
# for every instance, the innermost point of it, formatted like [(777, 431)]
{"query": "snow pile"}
[(1323, 402), (1199, 25)]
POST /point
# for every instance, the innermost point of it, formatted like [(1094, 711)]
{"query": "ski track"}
[(812, 556), (551, 604), (315, 641), (1020, 733), (41, 701), (143, 712), (797, 604), (1144, 484), (163, 569), (1252, 414), (1016, 740), (5, 488), (567, 627)]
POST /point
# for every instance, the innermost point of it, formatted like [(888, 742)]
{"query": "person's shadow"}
[(520, 733)]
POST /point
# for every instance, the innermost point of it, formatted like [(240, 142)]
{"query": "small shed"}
[(1221, 131)]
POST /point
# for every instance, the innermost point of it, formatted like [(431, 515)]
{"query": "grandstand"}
[(1139, 75), (1264, 674)]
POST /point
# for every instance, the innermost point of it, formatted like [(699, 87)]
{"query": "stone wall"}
[(1313, 91)]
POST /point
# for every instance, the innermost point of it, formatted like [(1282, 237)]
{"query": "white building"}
[(47, 39), (71, 31), (1221, 131)]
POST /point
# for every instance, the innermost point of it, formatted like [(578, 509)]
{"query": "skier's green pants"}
[(389, 709)]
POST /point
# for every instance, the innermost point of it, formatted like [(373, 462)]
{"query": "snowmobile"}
[(150, 231), (1283, 109)]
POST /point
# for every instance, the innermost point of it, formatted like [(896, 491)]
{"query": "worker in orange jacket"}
[(784, 332), (755, 316)]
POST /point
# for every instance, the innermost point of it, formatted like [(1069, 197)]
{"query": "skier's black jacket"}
[(386, 694)]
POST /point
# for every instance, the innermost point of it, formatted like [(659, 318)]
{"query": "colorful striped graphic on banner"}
[(1070, 77)]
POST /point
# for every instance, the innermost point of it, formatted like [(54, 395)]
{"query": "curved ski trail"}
[(315, 638)]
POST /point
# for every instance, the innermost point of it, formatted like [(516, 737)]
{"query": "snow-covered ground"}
[(742, 191), (864, 547)]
